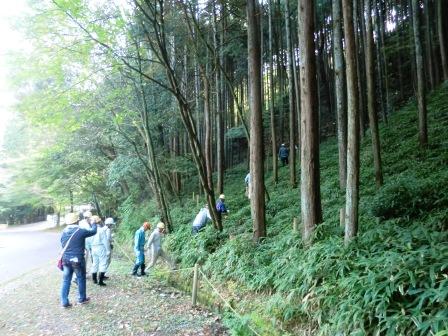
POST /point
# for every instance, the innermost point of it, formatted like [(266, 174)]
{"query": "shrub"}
[(407, 196)]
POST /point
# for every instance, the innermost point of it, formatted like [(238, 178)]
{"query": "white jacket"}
[(155, 241), (101, 239)]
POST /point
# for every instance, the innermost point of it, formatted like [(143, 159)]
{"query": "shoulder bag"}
[(60, 266)]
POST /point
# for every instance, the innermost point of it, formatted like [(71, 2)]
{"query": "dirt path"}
[(29, 305)]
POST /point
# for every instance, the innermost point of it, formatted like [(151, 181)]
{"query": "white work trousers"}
[(99, 259), (155, 254)]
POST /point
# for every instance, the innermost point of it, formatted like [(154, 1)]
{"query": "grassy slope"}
[(392, 279)]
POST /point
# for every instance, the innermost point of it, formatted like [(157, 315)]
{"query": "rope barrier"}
[(124, 252), (132, 261), (225, 301)]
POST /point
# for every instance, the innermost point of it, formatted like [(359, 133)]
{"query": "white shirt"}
[(101, 239), (155, 240), (202, 217)]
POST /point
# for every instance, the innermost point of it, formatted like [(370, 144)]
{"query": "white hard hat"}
[(109, 221), (160, 225)]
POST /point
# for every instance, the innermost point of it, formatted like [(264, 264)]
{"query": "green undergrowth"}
[(391, 280)]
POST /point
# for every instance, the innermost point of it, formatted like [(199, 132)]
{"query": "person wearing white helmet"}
[(100, 252), (109, 221), (283, 154), (155, 246), (108, 229), (221, 207)]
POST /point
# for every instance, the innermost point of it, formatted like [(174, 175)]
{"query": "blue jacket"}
[(77, 243), (221, 207), (139, 240), (283, 152)]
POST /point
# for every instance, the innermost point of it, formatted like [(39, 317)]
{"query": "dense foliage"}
[(392, 280), (142, 108)]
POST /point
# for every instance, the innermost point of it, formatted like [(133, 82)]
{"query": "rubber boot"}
[(94, 278), (101, 282), (135, 269), (142, 267)]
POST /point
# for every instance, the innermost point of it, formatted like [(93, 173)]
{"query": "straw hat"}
[(71, 218), (160, 225), (96, 219)]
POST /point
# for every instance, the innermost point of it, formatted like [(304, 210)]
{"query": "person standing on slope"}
[(155, 246), (221, 207), (283, 155)]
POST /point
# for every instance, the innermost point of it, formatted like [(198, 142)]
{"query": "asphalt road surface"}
[(26, 247)]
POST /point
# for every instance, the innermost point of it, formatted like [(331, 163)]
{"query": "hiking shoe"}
[(87, 300), (66, 306)]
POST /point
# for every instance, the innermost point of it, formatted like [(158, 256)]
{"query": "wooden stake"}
[(294, 225), (194, 291)]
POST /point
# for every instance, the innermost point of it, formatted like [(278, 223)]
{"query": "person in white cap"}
[(100, 252), (155, 246), (283, 154), (108, 228), (221, 207)]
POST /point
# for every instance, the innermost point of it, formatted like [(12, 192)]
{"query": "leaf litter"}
[(126, 306)]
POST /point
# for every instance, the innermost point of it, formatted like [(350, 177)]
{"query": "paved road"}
[(25, 248)]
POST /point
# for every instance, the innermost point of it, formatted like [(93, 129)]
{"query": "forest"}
[(149, 109)]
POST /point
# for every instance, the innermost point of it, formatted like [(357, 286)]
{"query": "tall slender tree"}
[(352, 189), (359, 30), (309, 154), (421, 82), (340, 93), (271, 97), (428, 46), (292, 99), (382, 59), (257, 191), (370, 73), (442, 39), (218, 104)]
